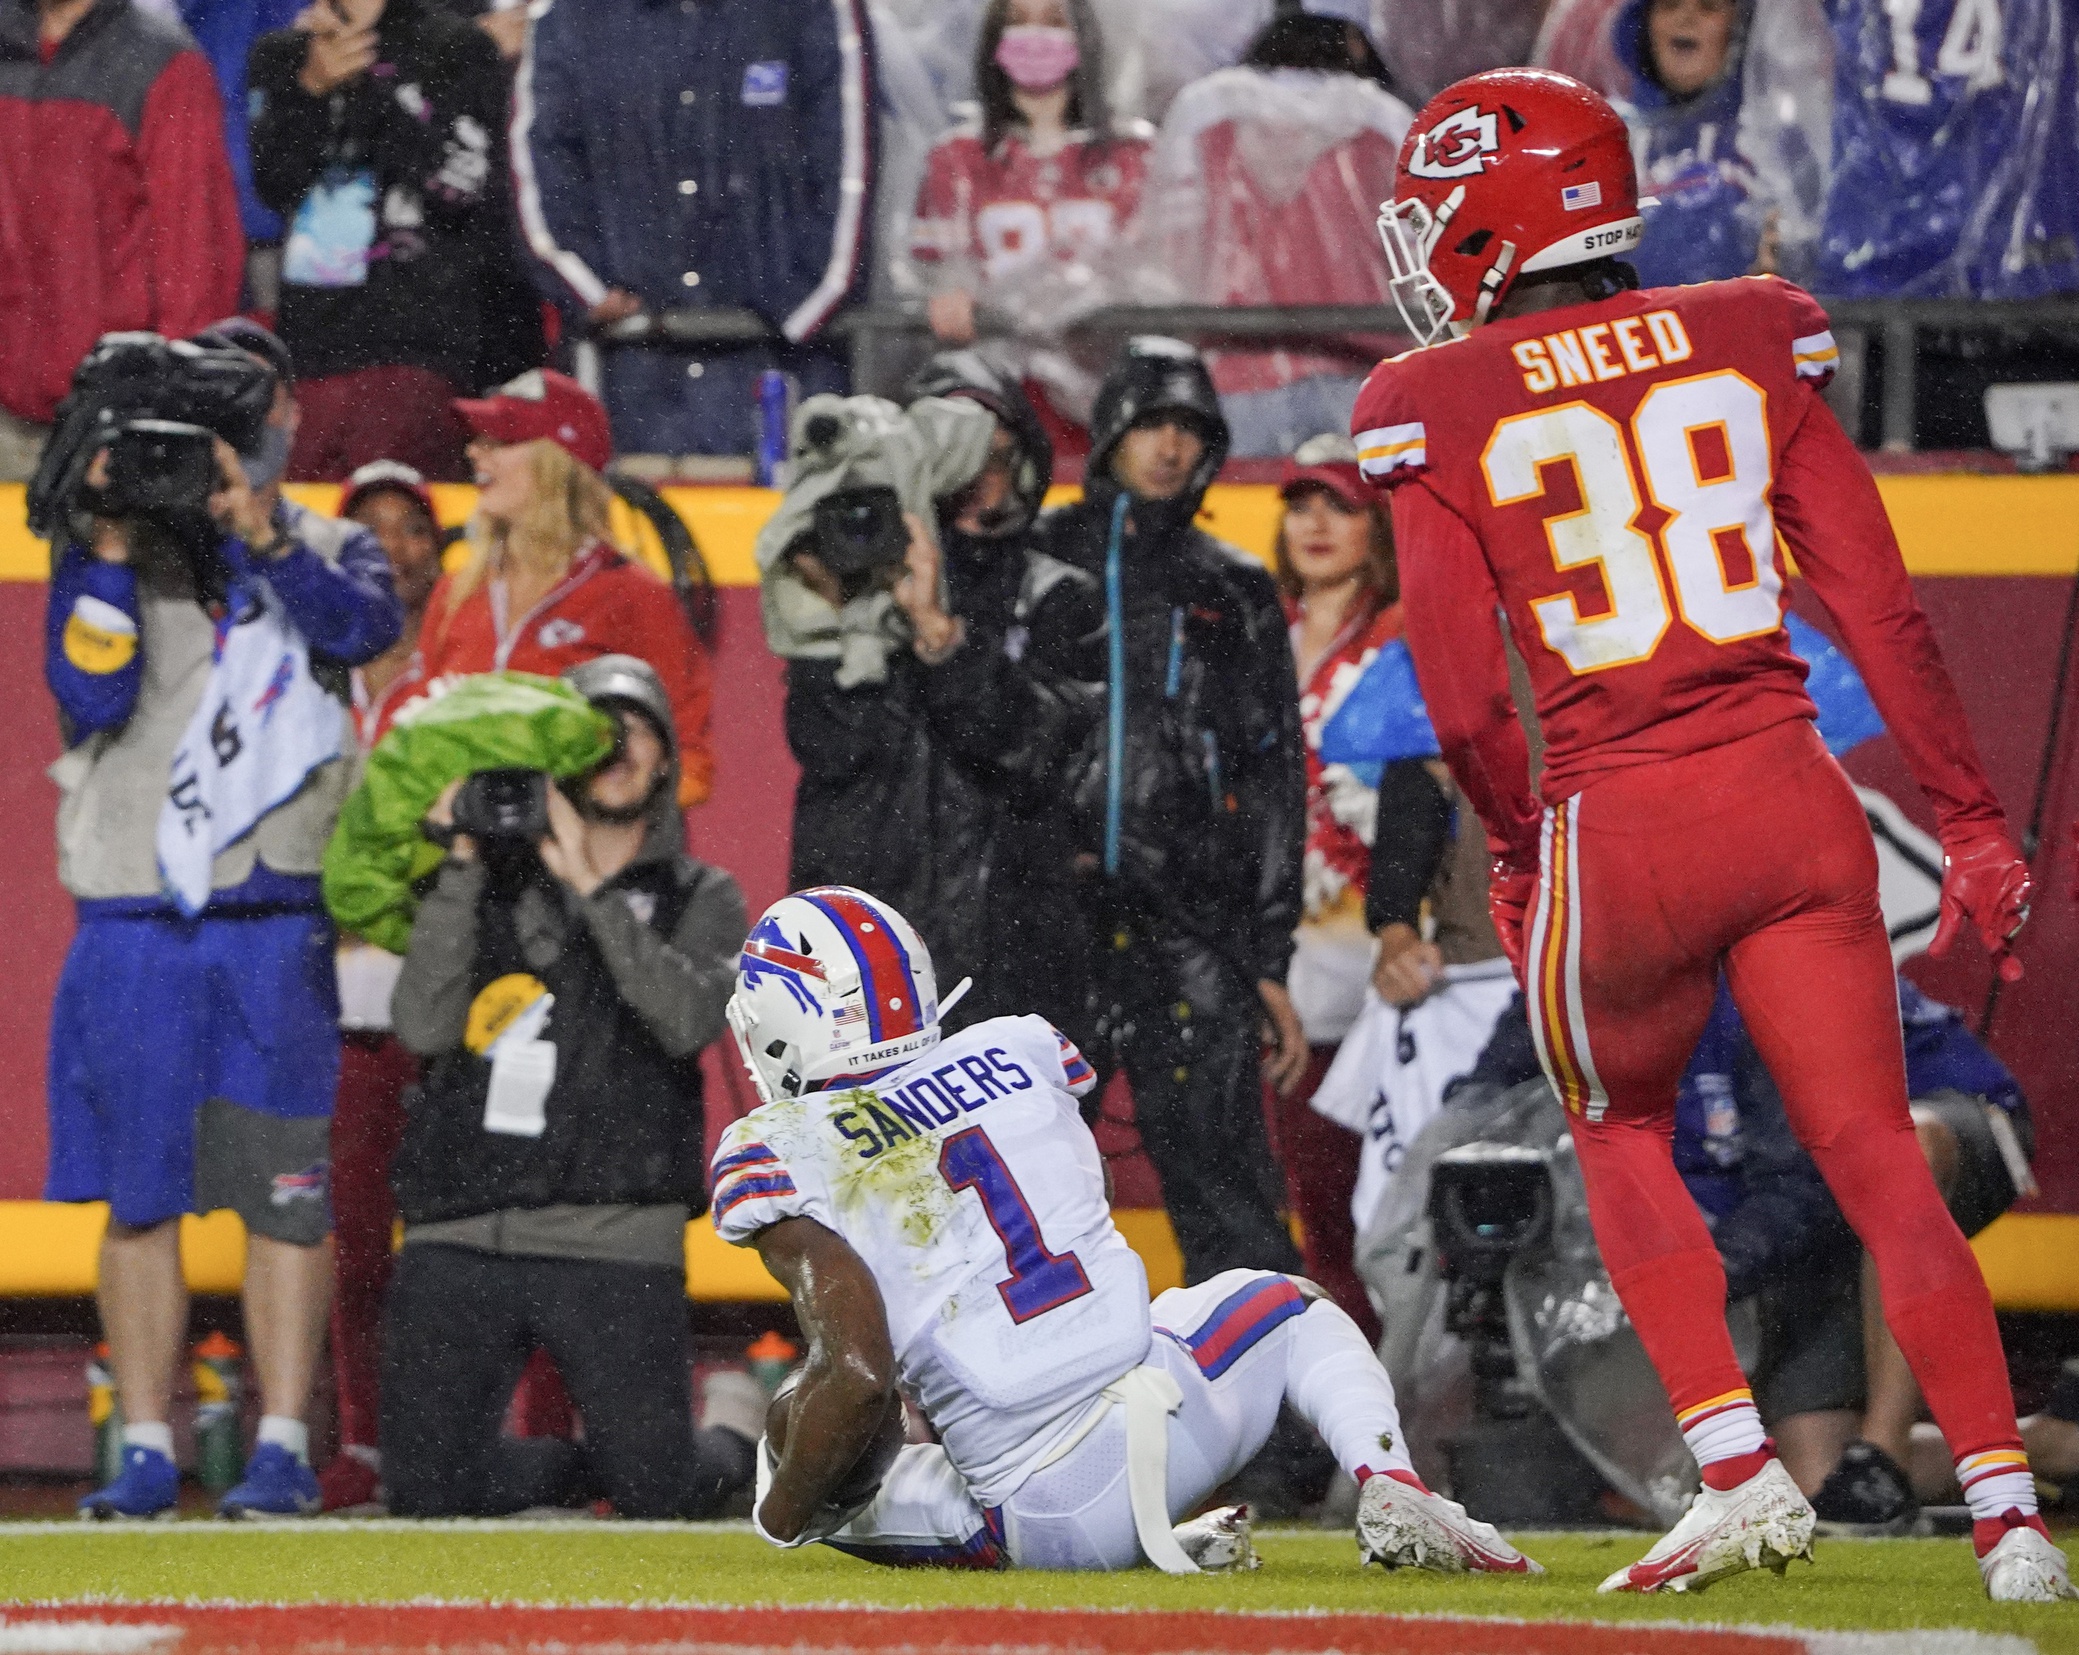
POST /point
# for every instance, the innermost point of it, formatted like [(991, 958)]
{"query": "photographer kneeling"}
[(565, 970)]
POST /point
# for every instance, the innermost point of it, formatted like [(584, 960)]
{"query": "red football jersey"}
[(987, 217), (1619, 479)]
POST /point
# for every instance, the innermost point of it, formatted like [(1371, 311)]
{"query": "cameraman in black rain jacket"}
[(936, 787), (559, 987), (1188, 801)]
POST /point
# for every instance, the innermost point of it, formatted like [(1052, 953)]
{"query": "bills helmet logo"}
[(1458, 146)]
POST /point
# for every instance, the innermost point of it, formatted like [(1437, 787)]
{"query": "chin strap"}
[(959, 993)]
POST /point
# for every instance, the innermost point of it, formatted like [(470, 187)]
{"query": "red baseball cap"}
[(1328, 462), (543, 403)]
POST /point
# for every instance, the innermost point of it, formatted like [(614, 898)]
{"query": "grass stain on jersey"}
[(902, 1180)]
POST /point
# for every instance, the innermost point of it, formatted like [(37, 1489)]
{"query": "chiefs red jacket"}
[(604, 605)]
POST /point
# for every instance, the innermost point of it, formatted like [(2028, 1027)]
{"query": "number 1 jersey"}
[(968, 1183), (1613, 477)]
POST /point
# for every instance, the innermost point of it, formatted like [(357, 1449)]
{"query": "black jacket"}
[(640, 971), (935, 789), (1212, 796), (427, 123)]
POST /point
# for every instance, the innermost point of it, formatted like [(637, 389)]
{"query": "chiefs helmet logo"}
[(1457, 146)]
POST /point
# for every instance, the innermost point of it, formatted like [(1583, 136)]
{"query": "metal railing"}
[(883, 339)]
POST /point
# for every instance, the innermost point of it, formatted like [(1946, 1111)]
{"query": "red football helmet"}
[(1503, 174)]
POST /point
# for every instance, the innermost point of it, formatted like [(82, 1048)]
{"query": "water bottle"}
[(105, 1414), (775, 413), (771, 1355), (219, 1439)]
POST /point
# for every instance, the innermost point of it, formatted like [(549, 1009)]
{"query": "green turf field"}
[(1881, 1585)]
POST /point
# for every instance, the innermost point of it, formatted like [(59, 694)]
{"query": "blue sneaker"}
[(277, 1484), (147, 1487)]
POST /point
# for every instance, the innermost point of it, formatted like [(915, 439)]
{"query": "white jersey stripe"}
[(534, 224), (1390, 447), (854, 182), (1534, 949), (1577, 1016), (1816, 355)]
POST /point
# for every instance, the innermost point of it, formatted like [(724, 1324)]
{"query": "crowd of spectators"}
[(1114, 771), (676, 202)]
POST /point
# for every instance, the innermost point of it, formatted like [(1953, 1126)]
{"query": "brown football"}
[(857, 1486)]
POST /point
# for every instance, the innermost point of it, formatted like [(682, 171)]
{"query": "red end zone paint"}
[(379, 1629)]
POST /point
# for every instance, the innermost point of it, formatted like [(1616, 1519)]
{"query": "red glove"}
[(1984, 881), (2075, 859), (1511, 884)]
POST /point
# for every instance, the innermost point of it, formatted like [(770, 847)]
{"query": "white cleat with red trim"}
[(2025, 1568), (1404, 1526), (1762, 1524)]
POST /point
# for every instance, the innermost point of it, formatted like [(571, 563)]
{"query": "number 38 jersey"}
[(968, 1183), (1619, 477)]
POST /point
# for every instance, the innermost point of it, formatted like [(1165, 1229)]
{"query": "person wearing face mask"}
[(1020, 206), (932, 786), (1188, 807), (195, 1031), (545, 588)]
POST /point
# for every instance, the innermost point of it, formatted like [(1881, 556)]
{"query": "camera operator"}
[(1821, 1378), (565, 970), (926, 785), (1189, 803), (198, 640)]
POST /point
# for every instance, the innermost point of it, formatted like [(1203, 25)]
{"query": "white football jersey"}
[(968, 1183)]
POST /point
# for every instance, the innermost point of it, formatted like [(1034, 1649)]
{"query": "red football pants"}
[(367, 1122), (1754, 857)]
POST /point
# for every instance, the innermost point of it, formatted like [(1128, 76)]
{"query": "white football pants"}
[(1237, 1347)]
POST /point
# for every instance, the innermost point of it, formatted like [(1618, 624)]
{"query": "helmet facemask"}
[(1408, 231)]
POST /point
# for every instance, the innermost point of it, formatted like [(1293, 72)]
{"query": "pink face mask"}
[(1036, 57)]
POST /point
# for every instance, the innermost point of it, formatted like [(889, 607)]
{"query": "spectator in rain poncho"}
[(1265, 182), (1736, 169)]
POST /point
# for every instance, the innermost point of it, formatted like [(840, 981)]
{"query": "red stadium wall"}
[(2001, 631)]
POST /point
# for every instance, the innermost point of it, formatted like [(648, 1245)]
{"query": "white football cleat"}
[(1763, 1523), (1407, 1527), (1218, 1542), (2025, 1568)]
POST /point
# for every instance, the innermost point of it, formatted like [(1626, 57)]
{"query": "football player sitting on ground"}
[(936, 1209), (1613, 469)]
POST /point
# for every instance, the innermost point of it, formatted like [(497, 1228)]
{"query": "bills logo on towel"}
[(1576, 196), (262, 726)]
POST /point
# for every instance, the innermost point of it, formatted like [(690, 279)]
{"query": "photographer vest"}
[(625, 1123)]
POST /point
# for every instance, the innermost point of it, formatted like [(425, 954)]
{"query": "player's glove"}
[(1511, 883), (1984, 881)]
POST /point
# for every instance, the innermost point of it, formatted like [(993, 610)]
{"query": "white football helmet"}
[(832, 984)]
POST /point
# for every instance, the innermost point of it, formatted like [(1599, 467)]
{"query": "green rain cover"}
[(488, 721)]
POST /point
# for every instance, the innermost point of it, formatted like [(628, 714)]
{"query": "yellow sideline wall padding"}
[(48, 1250), (1949, 523)]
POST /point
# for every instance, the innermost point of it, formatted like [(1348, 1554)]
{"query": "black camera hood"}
[(142, 376)]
